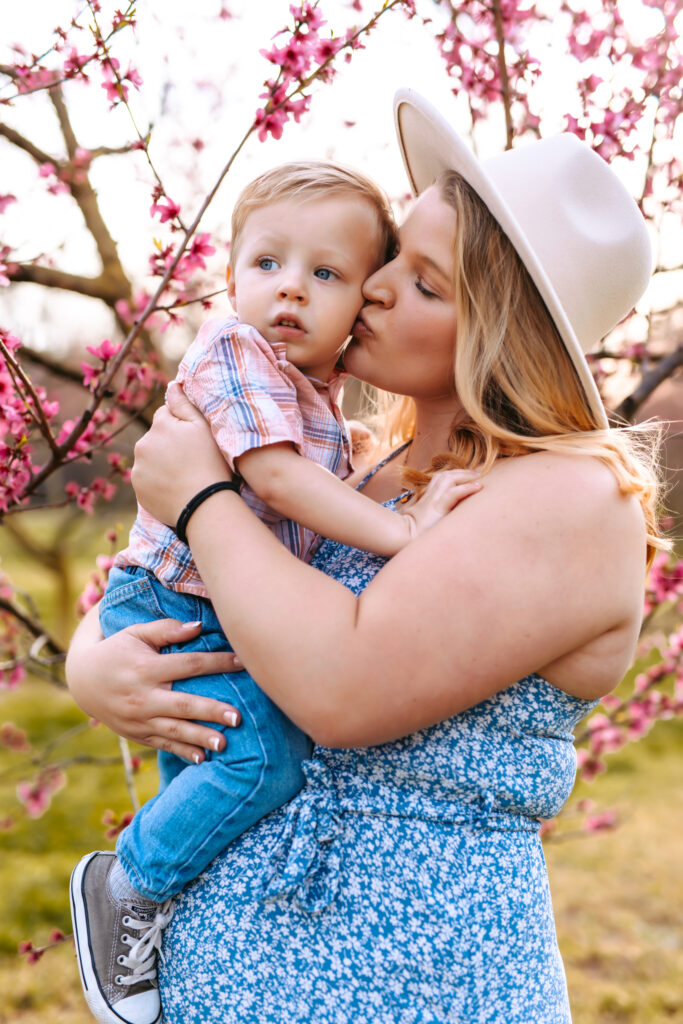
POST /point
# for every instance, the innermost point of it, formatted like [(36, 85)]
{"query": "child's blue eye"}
[(267, 263), (325, 274)]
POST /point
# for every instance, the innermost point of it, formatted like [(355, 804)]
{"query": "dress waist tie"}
[(304, 860)]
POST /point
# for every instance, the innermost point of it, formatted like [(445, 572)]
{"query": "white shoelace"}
[(141, 961)]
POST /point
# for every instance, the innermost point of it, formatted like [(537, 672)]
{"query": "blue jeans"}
[(199, 809)]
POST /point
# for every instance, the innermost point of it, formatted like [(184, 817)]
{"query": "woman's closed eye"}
[(267, 263), (421, 287), (325, 274)]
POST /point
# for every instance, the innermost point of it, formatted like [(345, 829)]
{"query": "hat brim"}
[(429, 146)]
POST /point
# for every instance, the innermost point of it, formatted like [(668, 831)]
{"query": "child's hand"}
[(363, 441), (444, 491)]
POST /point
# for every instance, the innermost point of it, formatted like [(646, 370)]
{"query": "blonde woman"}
[(406, 881)]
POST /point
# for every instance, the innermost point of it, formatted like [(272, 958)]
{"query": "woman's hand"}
[(125, 682), (176, 458)]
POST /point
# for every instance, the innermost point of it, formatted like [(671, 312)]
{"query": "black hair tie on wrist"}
[(194, 503)]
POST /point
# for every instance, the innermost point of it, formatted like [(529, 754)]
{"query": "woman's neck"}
[(433, 426)]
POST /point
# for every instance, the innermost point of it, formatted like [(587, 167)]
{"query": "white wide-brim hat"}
[(575, 227)]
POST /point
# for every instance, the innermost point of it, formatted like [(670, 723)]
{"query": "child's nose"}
[(291, 287)]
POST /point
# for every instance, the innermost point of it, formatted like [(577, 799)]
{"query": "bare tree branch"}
[(503, 71), (18, 140), (86, 198), (33, 625), (630, 405), (102, 287)]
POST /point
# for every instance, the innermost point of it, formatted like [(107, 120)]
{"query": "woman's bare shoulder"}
[(581, 488)]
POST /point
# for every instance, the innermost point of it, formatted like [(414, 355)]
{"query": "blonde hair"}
[(312, 179), (515, 381)]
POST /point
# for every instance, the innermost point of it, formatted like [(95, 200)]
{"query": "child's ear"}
[(231, 285)]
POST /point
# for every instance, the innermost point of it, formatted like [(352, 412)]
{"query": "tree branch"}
[(503, 71), (86, 198), (18, 140), (102, 287), (34, 407), (630, 405), (33, 625)]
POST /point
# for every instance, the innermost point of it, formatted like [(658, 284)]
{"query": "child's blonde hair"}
[(312, 179), (515, 381)]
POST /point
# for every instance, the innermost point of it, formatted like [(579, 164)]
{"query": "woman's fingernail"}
[(215, 743), (237, 663), (230, 717), (191, 625), (195, 758)]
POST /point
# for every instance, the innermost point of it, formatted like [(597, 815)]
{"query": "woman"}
[(406, 881)]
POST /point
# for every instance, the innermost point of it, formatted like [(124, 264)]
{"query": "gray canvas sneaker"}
[(117, 942)]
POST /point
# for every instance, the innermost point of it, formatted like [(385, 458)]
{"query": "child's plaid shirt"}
[(251, 397)]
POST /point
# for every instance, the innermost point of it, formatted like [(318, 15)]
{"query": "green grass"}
[(619, 896)]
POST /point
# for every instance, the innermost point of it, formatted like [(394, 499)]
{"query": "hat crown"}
[(583, 226)]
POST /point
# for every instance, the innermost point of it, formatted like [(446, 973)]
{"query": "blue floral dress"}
[(405, 884)]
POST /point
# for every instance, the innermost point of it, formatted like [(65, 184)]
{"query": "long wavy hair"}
[(515, 382)]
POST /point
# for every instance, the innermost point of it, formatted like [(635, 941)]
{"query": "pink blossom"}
[(28, 950), (270, 124), (103, 488), (326, 48), (11, 677), (89, 598), (309, 14), (115, 823), (166, 212), (6, 201), (201, 246), (589, 767), (85, 500), (602, 822), (82, 157), (133, 76), (106, 351), (57, 188), (14, 738), (91, 375), (50, 409), (74, 64), (36, 796)]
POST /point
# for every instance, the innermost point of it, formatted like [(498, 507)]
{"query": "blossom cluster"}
[(180, 269), (65, 62), (12, 670), (470, 48), (115, 823), (611, 107), (621, 82), (306, 56), (624, 719), (23, 408), (36, 794), (34, 953), (656, 694)]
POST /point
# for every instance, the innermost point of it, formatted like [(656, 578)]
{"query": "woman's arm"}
[(546, 561), (125, 682)]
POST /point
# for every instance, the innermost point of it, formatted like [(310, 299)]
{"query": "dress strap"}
[(375, 469)]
